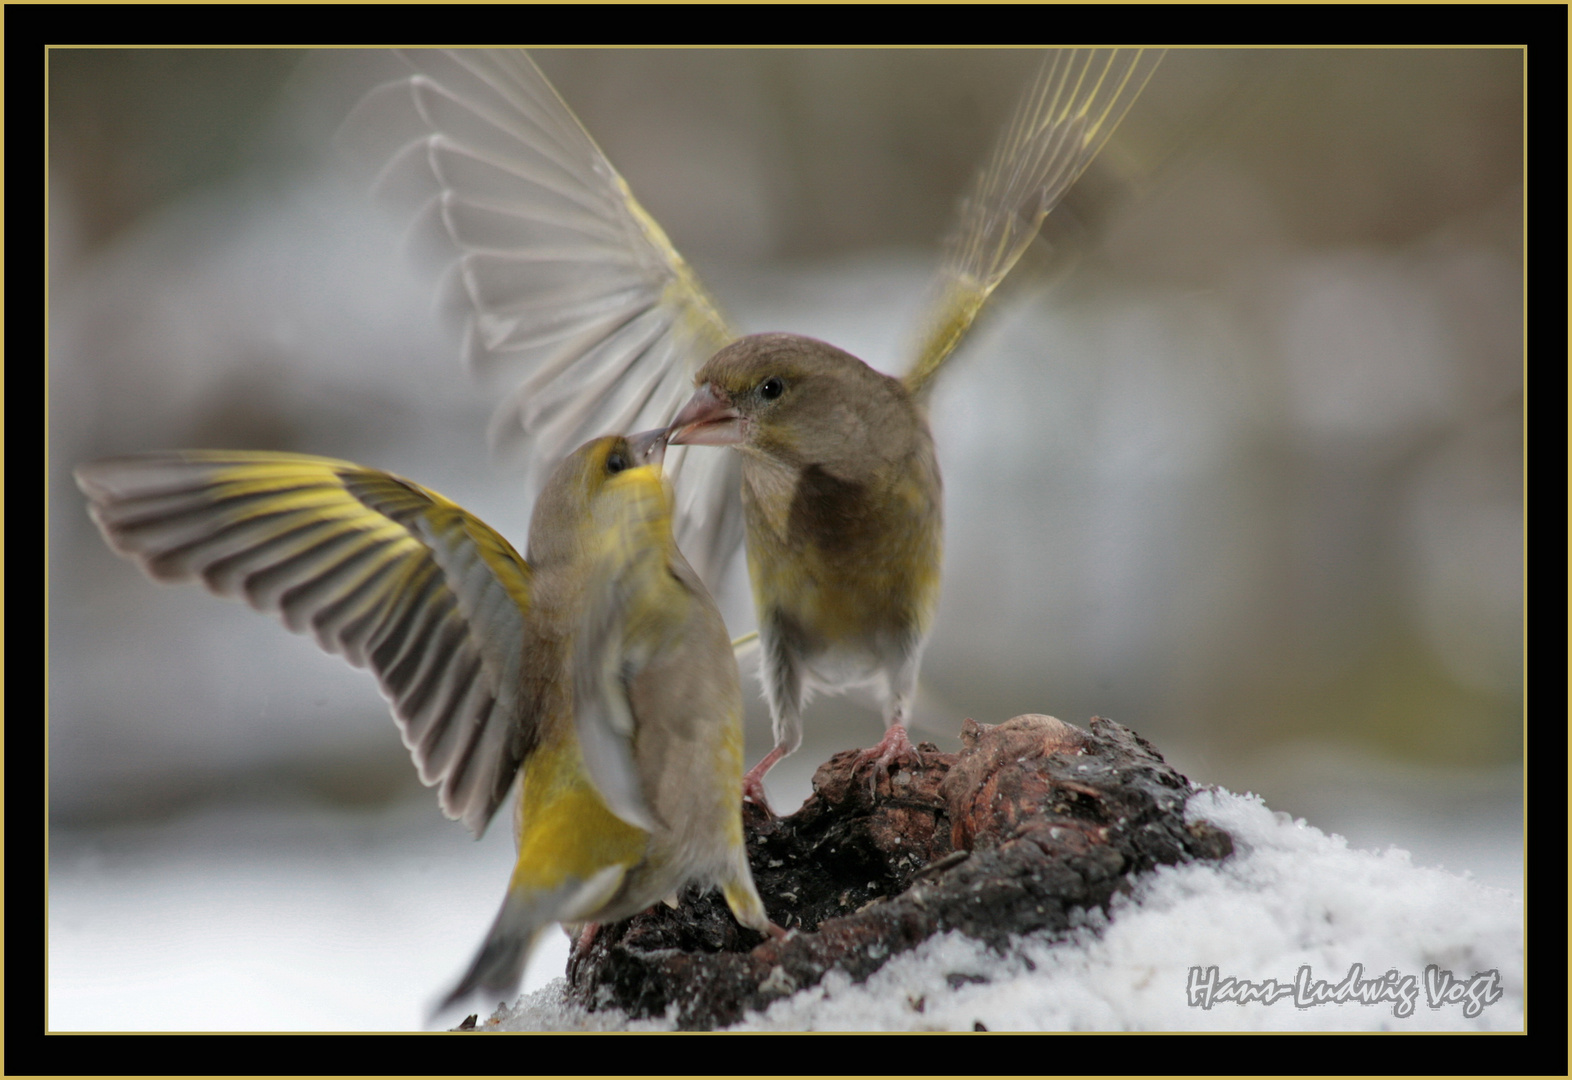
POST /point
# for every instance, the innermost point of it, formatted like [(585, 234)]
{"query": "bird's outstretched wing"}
[(378, 569), (1077, 100), (566, 281)]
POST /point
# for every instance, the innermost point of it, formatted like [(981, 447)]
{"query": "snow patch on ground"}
[(1290, 898)]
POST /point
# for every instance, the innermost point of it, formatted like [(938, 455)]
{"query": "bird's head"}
[(602, 469), (797, 401)]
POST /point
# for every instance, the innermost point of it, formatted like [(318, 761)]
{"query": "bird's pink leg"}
[(753, 783)]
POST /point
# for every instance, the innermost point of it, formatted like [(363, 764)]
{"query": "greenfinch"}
[(573, 287), (598, 671), (842, 500)]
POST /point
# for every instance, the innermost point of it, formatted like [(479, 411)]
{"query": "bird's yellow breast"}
[(564, 828)]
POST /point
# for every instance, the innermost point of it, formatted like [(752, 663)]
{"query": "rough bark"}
[(1033, 819)]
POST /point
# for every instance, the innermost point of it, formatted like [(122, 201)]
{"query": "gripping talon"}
[(894, 747), (753, 782)]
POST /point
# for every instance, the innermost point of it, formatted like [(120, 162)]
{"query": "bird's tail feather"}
[(498, 966)]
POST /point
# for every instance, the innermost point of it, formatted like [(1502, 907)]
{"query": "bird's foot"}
[(753, 782), (894, 749), (753, 791)]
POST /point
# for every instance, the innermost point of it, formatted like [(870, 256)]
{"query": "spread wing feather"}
[(1072, 108), (567, 283), (386, 573)]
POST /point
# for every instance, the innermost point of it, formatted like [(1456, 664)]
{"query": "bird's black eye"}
[(771, 388), (616, 461)]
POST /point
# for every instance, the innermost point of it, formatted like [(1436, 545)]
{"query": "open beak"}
[(648, 447), (708, 419)]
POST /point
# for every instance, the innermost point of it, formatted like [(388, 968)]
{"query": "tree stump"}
[(1033, 819)]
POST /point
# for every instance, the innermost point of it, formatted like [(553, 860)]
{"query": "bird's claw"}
[(753, 782), (894, 748), (753, 792)]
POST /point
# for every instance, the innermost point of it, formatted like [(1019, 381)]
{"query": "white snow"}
[(268, 918), (1290, 897)]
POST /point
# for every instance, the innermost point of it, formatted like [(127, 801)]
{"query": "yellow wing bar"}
[(380, 570)]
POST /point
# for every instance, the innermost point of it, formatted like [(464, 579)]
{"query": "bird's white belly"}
[(843, 669)]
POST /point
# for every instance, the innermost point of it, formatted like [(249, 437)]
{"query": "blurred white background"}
[(1236, 461)]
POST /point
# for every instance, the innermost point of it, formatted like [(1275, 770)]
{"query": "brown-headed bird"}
[(569, 284), (598, 671), (842, 499)]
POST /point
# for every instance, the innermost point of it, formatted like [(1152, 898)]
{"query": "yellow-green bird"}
[(842, 501), (572, 286), (599, 669)]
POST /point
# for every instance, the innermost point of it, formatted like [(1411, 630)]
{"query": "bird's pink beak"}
[(708, 419), (648, 447)]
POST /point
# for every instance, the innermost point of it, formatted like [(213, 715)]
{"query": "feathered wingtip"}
[(379, 570), (569, 287), (1061, 124)]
